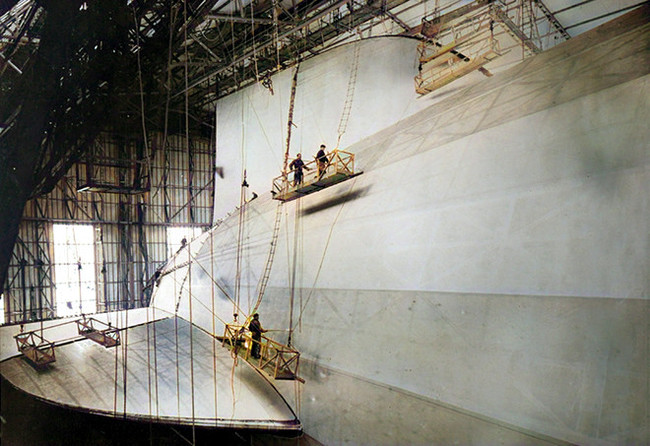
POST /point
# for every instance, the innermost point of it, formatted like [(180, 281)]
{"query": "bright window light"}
[(2, 309), (74, 269), (176, 235)]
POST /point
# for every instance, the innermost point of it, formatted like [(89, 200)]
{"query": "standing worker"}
[(256, 330), (297, 165), (321, 160)]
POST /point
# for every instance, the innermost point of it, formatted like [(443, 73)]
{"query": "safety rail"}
[(277, 360), (339, 167), (34, 347), (107, 335)]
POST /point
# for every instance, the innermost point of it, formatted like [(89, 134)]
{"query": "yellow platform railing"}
[(339, 167), (278, 360)]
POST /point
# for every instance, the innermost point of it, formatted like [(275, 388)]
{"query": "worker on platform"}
[(321, 160), (297, 165), (256, 330)]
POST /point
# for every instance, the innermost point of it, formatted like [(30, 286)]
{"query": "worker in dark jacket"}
[(321, 160), (297, 165), (256, 330)]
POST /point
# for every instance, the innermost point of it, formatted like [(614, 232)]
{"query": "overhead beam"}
[(429, 28), (500, 15), (249, 20), (268, 44), (397, 20), (551, 18)]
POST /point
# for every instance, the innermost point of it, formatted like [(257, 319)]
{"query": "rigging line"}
[(178, 378), (270, 257), (115, 380), (247, 260), (125, 355), (287, 238), (214, 329), (155, 364), (322, 260), (266, 136), (178, 390), (240, 231), (190, 299), (149, 369), (592, 19), (163, 177), (257, 74), (149, 173), (216, 283), (237, 309), (58, 325), (189, 219), (296, 228), (212, 313), (142, 114)]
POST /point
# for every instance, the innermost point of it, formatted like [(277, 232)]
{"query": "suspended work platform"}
[(339, 167), (34, 347), (98, 331), (277, 360)]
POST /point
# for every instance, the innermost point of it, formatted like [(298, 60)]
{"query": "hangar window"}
[(74, 269)]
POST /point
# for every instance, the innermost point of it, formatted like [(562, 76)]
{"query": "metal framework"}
[(113, 113), (130, 236)]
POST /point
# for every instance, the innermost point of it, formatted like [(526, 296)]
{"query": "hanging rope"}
[(269, 260), (240, 234), (322, 260), (294, 268), (189, 269), (276, 229), (142, 113)]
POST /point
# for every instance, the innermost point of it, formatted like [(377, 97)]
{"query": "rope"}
[(144, 137), (142, 115), (269, 260), (240, 234), (155, 364), (320, 265), (189, 270), (294, 268), (125, 354), (163, 177), (115, 381), (214, 337)]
